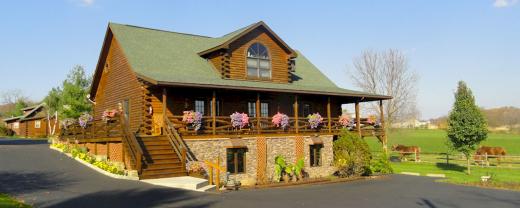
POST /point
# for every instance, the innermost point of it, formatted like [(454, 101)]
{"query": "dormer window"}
[(258, 62)]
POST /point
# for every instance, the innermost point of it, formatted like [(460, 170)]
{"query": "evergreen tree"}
[(467, 126)]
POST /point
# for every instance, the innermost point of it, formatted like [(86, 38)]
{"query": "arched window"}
[(258, 62)]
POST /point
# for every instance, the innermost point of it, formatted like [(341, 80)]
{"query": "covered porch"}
[(216, 106)]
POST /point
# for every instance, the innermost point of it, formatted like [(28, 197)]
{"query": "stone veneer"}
[(210, 149)]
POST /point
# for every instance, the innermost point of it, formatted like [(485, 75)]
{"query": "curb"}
[(99, 170), (433, 175)]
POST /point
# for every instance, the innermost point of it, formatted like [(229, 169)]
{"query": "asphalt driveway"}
[(45, 178)]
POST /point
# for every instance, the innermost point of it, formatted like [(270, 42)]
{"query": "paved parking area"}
[(45, 178)]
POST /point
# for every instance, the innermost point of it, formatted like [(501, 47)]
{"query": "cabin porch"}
[(216, 106)]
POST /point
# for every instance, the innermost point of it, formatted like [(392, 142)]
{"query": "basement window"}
[(315, 154), (236, 160)]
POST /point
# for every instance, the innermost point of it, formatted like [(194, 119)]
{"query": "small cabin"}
[(32, 124)]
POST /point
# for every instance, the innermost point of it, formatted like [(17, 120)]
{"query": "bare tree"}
[(12, 96), (388, 73)]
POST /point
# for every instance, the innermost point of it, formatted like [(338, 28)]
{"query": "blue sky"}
[(473, 40)]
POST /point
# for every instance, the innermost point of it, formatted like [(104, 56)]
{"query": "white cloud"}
[(504, 3), (87, 2)]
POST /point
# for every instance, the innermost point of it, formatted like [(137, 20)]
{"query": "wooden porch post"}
[(296, 125), (329, 116), (164, 106), (382, 117), (214, 112), (258, 113), (358, 120)]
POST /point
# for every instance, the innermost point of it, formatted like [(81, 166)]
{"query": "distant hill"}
[(498, 118)]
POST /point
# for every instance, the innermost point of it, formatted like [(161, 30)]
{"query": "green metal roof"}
[(171, 58)]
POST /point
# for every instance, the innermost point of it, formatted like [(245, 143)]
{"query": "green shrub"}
[(351, 155), (282, 168), (108, 167), (381, 165), (4, 131), (66, 149)]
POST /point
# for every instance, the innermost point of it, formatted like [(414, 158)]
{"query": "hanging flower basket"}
[(315, 120), (84, 119), (344, 120), (280, 120), (108, 115), (239, 120), (66, 123), (192, 118), (371, 119)]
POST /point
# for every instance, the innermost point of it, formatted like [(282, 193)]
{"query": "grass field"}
[(434, 141), (501, 177), (8, 202)]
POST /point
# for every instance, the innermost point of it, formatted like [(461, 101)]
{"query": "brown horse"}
[(407, 150), (491, 152)]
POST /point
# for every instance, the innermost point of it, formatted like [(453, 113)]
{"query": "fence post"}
[(183, 162), (218, 173), (486, 158), (210, 175), (447, 159)]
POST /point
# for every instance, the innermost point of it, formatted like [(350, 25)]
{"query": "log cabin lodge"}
[(153, 76)]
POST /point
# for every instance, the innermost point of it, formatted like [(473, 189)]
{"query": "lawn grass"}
[(434, 141), (501, 177), (8, 202)]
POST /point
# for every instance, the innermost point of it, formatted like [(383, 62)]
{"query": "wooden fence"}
[(498, 161)]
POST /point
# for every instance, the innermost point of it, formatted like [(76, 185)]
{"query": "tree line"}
[(69, 100)]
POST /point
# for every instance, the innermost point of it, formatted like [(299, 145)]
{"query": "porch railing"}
[(94, 130), (223, 126), (115, 129)]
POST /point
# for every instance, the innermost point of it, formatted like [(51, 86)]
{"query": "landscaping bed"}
[(8, 202), (81, 155), (314, 181)]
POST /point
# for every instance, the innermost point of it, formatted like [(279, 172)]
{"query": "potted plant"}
[(109, 114), (344, 120), (194, 119), (315, 120), (84, 119), (280, 120), (239, 120), (196, 169)]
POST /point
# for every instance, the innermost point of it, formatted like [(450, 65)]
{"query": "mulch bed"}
[(314, 181)]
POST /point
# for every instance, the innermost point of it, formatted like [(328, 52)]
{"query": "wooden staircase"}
[(160, 159)]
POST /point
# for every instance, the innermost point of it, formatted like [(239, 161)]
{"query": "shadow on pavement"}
[(138, 198), (19, 182), (426, 203), (8, 141)]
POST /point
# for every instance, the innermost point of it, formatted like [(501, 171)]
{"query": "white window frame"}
[(37, 124)]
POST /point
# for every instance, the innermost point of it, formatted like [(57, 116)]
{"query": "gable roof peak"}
[(226, 39)]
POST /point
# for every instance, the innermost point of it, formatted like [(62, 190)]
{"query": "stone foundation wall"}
[(327, 158), (210, 149)]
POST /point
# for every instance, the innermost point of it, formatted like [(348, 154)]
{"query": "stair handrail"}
[(176, 140), (128, 138)]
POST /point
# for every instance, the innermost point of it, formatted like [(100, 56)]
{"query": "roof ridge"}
[(240, 29), (161, 30)]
